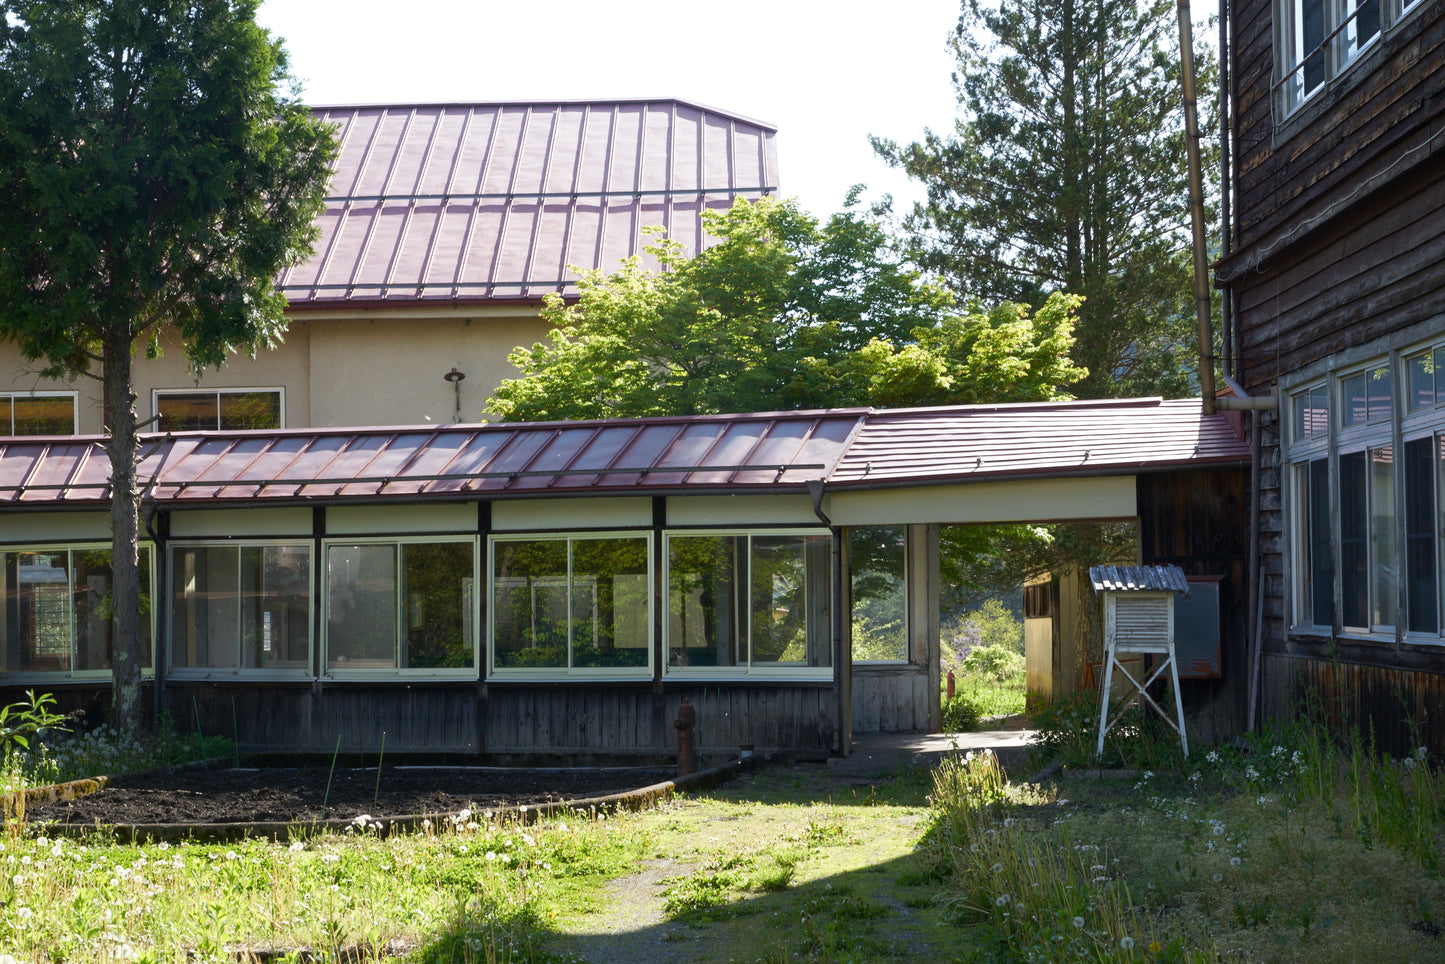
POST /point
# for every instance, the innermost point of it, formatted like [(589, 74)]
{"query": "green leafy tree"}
[(155, 170), (780, 314), (1066, 172)]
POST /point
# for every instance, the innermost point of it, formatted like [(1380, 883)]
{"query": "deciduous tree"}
[(155, 170)]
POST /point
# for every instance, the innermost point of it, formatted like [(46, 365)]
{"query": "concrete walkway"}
[(884, 754)]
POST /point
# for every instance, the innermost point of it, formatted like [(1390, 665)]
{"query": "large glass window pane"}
[(1311, 413), (609, 603), (205, 611), (361, 606), (44, 415), (276, 607), (37, 612), (1385, 571), (703, 590), (93, 595), (1354, 548), (1421, 582), (437, 593), (789, 600), (250, 410), (529, 604), (187, 412), (1377, 390), (876, 579), (1420, 373), (1363, 28), (1309, 35), (1315, 569)]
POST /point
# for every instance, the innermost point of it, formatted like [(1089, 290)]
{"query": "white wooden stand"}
[(1139, 622)]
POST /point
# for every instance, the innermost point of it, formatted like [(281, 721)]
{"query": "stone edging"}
[(54, 793), (639, 799)]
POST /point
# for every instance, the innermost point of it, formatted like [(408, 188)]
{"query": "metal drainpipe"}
[(1196, 210), (815, 489), (1254, 605), (1226, 242)]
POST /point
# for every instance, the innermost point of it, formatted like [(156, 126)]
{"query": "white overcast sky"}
[(826, 73)]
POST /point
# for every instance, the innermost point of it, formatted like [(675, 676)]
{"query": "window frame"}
[(381, 673), (279, 390), (239, 672), (8, 430), (763, 671), (544, 673), (1338, 59), (89, 675)]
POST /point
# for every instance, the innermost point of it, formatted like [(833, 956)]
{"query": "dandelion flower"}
[(1126, 943), (1218, 878), (1002, 900), (1078, 923), (998, 868), (1234, 861)]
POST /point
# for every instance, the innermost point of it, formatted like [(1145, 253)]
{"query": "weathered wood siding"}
[(893, 699), (1199, 521), (1286, 168), (1398, 708)]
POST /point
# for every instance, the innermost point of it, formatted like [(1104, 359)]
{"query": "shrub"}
[(997, 663), (960, 714)]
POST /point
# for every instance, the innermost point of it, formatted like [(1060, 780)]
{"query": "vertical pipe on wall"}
[(1226, 242), (160, 637)]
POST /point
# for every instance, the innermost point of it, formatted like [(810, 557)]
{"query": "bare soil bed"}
[(193, 795)]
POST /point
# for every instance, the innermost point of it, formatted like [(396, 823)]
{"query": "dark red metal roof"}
[(480, 202), (848, 448), (979, 442)]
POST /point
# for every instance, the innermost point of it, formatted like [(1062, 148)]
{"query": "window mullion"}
[(1332, 474)]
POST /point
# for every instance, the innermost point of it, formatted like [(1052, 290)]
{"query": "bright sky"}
[(826, 73)]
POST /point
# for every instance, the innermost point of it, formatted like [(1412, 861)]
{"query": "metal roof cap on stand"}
[(1138, 579)]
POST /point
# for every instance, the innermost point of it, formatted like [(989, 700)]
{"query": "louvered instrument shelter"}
[(1139, 620)]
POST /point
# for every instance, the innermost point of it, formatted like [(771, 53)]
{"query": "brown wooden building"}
[(1335, 277)]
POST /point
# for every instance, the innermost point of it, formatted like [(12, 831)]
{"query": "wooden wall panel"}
[(891, 699), (1398, 708)]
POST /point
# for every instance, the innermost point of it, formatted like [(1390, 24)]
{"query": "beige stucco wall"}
[(336, 368)]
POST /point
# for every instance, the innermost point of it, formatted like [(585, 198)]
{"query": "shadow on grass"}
[(744, 903)]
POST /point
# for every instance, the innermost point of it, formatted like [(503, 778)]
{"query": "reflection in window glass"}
[(1362, 28), (57, 613), (571, 604), (437, 599), (1419, 469), (220, 410), (37, 415), (241, 607), (1311, 413), (361, 606), (760, 601), (1385, 576), (1420, 390), (1354, 548), (876, 579)]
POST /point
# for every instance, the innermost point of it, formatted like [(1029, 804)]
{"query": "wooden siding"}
[(890, 699), (1199, 521), (1287, 168), (1397, 708)]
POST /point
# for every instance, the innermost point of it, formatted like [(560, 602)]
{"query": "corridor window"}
[(756, 604), (57, 617), (224, 410), (400, 606), (878, 590), (1321, 39), (564, 605), (240, 607)]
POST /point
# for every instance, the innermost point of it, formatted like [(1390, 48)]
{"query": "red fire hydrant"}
[(950, 684), (686, 724)]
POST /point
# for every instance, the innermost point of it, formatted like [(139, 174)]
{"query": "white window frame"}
[(762, 671), (375, 673), (8, 428), (159, 393), (1338, 55), (1402, 427), (72, 674), (644, 672), (238, 672)]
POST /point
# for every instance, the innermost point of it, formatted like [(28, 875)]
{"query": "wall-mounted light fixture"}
[(455, 377)]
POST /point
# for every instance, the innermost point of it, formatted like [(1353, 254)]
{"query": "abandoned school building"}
[(1334, 275), (559, 588)]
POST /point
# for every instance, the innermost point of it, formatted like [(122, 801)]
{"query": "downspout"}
[(815, 489), (1226, 240), (1196, 210)]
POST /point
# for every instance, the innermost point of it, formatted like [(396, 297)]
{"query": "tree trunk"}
[(122, 448)]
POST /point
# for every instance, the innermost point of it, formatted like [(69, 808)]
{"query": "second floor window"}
[(45, 413), (223, 410), (1320, 39)]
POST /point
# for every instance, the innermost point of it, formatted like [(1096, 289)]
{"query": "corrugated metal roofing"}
[(853, 448), (1049, 438), (1138, 579), (480, 202)]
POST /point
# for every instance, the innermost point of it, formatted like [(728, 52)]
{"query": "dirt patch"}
[(217, 796)]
